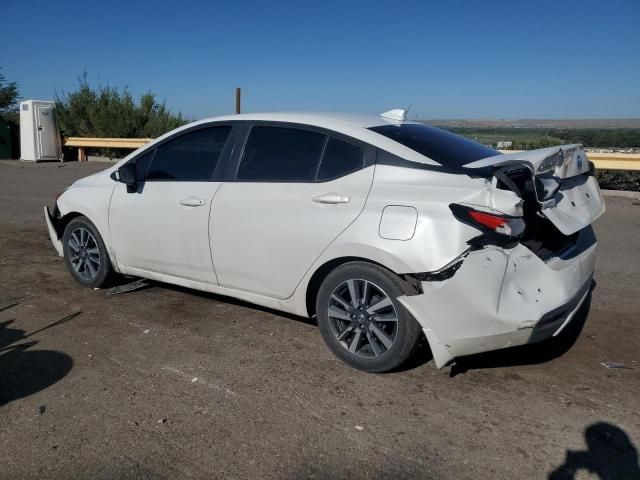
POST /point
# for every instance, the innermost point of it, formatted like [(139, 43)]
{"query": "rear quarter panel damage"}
[(497, 297)]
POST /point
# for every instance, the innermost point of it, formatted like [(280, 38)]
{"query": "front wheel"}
[(361, 319), (85, 254)]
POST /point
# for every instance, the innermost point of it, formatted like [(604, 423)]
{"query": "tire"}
[(85, 254), (382, 344)]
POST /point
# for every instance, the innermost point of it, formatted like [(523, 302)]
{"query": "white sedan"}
[(384, 230)]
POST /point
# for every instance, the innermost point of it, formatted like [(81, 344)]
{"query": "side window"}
[(190, 157), (339, 159), (281, 154)]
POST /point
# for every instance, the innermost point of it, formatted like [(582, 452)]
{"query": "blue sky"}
[(447, 59)]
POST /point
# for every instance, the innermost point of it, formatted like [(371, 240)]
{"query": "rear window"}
[(448, 149)]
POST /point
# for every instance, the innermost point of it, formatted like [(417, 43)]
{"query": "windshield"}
[(446, 148)]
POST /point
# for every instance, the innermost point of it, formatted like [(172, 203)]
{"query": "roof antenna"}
[(396, 114)]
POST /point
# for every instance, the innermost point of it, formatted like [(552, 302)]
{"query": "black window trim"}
[(241, 143), (152, 151), (223, 160), (324, 149)]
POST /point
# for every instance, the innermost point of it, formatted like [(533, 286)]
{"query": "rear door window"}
[(279, 154), (340, 158), (192, 156)]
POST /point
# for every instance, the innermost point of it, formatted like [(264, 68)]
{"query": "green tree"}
[(111, 112), (9, 95)]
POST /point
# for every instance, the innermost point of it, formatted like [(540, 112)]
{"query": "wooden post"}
[(237, 99), (81, 156)]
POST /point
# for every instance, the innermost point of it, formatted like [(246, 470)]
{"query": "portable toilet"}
[(39, 132)]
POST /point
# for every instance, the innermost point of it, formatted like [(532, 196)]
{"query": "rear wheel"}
[(361, 319), (85, 254)]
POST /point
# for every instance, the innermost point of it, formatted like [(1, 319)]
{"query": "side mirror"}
[(127, 174)]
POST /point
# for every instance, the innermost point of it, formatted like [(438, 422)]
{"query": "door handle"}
[(192, 202), (331, 198)]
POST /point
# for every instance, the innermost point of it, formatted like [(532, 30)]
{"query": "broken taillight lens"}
[(489, 222)]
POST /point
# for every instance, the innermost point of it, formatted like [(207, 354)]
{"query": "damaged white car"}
[(380, 228)]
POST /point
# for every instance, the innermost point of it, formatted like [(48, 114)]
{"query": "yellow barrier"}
[(83, 142), (602, 161), (608, 161), (615, 161)]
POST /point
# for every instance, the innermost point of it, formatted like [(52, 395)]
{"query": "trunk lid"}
[(558, 181)]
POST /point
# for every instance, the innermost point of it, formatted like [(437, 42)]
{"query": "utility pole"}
[(238, 93)]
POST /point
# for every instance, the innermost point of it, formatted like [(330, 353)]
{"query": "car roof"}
[(354, 125), (362, 120)]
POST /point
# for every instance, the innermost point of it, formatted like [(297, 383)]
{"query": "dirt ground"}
[(166, 382)]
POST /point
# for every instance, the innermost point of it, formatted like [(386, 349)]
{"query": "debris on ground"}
[(41, 409), (162, 420), (146, 330), (194, 379), (612, 365), (128, 287), (359, 428)]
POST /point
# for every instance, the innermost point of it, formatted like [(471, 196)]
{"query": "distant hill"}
[(583, 123)]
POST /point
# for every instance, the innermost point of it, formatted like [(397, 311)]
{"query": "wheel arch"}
[(65, 219), (318, 276)]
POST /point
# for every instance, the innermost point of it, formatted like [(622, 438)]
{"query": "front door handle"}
[(331, 198), (192, 202)]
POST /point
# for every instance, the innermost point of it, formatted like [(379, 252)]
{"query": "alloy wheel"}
[(84, 253), (362, 318)]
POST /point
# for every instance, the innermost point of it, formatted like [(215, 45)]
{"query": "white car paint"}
[(148, 228), (263, 242), (276, 227)]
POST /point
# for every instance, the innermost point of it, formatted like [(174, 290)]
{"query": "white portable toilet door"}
[(46, 126)]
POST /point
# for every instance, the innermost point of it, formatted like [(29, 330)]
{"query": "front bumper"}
[(503, 297), (53, 234)]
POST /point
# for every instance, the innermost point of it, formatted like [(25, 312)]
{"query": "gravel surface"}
[(165, 382)]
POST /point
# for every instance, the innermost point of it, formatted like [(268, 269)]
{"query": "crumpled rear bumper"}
[(53, 234), (503, 297)]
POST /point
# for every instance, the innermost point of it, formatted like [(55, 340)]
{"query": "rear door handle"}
[(331, 198), (192, 202)]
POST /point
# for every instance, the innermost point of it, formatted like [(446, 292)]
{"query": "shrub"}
[(111, 112), (619, 180)]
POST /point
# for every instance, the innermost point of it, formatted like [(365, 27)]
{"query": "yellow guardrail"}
[(83, 142), (615, 161), (608, 161), (602, 161)]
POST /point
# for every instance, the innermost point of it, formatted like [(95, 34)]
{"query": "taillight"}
[(489, 222)]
